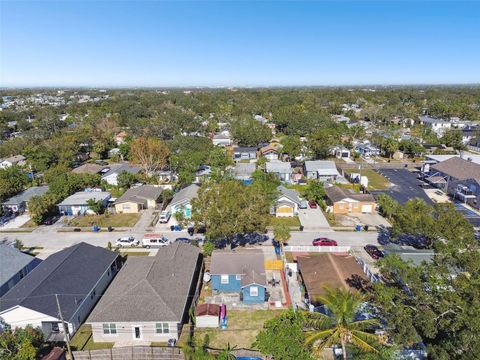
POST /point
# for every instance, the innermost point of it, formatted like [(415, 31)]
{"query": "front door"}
[(138, 334)]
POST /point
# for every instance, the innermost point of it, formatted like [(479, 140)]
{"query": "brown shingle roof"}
[(328, 270), (335, 194), (207, 309), (88, 169), (458, 168)]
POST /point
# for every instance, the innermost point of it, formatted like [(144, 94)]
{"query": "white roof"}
[(466, 155), (322, 167), (81, 197)]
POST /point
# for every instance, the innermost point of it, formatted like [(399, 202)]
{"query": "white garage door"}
[(366, 208)]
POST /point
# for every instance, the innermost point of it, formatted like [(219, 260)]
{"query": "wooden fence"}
[(131, 353)]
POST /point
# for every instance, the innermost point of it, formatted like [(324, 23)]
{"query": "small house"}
[(222, 140), (19, 203), (77, 204), (270, 152), (182, 200), (288, 202), (240, 272), (322, 170), (244, 171), (341, 201), (110, 173), (72, 279), (244, 153), (282, 169), (138, 198), (207, 316)]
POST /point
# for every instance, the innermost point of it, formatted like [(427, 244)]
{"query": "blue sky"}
[(238, 43)]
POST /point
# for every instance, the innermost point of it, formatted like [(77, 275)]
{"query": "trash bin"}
[(358, 227), (365, 228), (301, 227), (277, 250)]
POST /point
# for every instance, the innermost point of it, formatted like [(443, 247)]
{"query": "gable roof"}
[(71, 273), (207, 309), (336, 193), (291, 194), (88, 169), (329, 270), (245, 149), (140, 194), (248, 263), (81, 197), (244, 170), (119, 168), (322, 167), (26, 195), (277, 166), (458, 168), (150, 288), (12, 261), (185, 195), (272, 147)]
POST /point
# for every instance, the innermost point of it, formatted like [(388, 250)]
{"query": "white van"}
[(164, 217), (154, 240)]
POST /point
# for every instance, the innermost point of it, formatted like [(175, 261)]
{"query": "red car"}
[(324, 242), (312, 204), (374, 252)]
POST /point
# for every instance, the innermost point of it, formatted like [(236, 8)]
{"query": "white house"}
[(78, 275), (222, 139), (111, 172), (288, 202), (322, 170), (182, 200), (280, 168), (12, 160), (438, 126)]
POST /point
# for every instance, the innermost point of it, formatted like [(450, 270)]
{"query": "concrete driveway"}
[(313, 220), (16, 222)]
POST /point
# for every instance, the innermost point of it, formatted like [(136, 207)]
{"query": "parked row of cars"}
[(148, 241), (371, 250)]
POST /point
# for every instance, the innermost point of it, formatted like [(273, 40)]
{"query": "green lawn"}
[(288, 221), (375, 180), (243, 327), (83, 340), (134, 253), (105, 220)]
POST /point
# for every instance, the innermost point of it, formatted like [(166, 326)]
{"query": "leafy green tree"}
[(150, 153), (340, 327), (125, 180), (389, 208), (208, 247), (292, 146), (322, 142), (389, 146), (267, 183), (227, 353), (281, 232), (41, 207), (315, 192), (96, 206), (12, 181), (415, 218), (20, 344), (229, 207), (283, 338), (453, 138), (250, 132)]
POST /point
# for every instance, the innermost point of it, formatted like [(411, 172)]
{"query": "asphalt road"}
[(55, 241)]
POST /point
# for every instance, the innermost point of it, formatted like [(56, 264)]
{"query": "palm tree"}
[(227, 353), (340, 327)]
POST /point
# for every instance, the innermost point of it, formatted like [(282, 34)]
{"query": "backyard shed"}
[(207, 316)]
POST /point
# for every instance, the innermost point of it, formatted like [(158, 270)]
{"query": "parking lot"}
[(406, 186)]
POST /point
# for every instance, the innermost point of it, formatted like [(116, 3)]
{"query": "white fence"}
[(332, 249)]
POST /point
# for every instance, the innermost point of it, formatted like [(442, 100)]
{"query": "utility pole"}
[(65, 328)]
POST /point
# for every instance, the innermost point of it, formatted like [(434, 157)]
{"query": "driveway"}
[(16, 222), (313, 220)]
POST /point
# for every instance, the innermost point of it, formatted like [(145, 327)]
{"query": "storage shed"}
[(207, 316)]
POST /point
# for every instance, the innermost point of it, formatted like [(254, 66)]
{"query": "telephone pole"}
[(65, 328)]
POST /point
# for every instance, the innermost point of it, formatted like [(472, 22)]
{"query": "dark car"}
[(373, 251), (196, 230), (183, 239), (324, 242), (312, 204)]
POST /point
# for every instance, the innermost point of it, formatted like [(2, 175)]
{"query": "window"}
[(355, 205), (340, 205), (162, 328), (109, 329), (238, 277), (126, 206), (224, 279), (254, 291)]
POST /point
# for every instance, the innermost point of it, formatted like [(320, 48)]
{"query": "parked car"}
[(164, 217), (183, 239), (154, 240), (303, 204), (324, 242), (373, 251), (196, 230), (127, 241), (312, 204), (51, 221)]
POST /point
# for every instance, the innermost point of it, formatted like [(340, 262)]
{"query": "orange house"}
[(341, 201)]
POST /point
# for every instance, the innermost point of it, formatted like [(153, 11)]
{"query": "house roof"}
[(270, 148), (242, 170), (88, 169), (289, 193), (328, 270), (336, 193), (185, 195), (458, 168), (245, 149), (430, 120), (277, 166), (26, 195), (322, 167), (119, 168), (150, 288), (207, 309), (71, 273), (12, 261), (140, 194), (15, 159), (248, 263), (81, 197)]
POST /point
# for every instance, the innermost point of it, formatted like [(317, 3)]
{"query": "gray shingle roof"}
[(458, 168), (185, 195), (277, 166), (26, 195), (81, 197), (248, 263), (140, 194), (289, 193), (336, 193), (119, 168), (71, 273), (151, 288), (12, 261)]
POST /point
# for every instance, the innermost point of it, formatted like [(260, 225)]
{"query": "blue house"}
[(241, 272)]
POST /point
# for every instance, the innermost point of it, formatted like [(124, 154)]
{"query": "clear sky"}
[(238, 43)]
